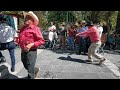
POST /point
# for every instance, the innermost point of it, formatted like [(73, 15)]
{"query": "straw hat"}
[(30, 13)]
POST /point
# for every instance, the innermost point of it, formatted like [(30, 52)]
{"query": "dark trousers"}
[(10, 46), (29, 59), (111, 45), (62, 41), (82, 45)]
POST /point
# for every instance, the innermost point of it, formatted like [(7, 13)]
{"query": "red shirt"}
[(31, 34), (72, 33), (93, 33)]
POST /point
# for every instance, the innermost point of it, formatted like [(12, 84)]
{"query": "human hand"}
[(77, 34), (29, 46)]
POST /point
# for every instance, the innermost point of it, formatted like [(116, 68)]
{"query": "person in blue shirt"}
[(82, 41)]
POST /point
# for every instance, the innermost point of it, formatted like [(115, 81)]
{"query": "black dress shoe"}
[(13, 69)]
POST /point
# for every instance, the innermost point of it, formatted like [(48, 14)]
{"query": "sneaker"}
[(88, 61), (36, 74), (101, 61)]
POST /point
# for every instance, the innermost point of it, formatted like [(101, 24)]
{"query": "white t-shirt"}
[(7, 33), (100, 29), (52, 28), (50, 36), (51, 33)]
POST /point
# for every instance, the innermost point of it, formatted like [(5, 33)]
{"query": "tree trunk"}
[(95, 16), (108, 21), (39, 14), (118, 23)]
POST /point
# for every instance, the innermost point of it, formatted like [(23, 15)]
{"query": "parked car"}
[(45, 34)]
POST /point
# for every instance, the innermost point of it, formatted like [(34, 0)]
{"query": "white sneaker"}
[(101, 61), (88, 61)]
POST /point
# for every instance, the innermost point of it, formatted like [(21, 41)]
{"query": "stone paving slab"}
[(78, 75), (67, 66), (106, 76), (74, 64)]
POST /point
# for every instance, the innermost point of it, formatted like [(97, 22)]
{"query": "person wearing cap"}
[(95, 39), (7, 40), (30, 38)]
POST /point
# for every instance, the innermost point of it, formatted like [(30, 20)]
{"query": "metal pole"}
[(67, 17)]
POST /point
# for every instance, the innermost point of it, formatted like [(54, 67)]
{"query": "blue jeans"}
[(10, 46), (71, 42)]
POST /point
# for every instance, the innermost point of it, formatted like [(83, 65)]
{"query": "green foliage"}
[(56, 16), (72, 16)]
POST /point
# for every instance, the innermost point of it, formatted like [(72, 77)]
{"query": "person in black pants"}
[(30, 38)]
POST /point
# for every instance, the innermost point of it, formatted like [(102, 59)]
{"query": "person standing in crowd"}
[(82, 41), (104, 36), (105, 28), (53, 28), (93, 33), (111, 42), (30, 38), (71, 36), (63, 32), (100, 28), (103, 40), (52, 34), (7, 40)]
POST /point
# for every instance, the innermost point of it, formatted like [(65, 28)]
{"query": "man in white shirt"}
[(100, 29), (52, 34), (7, 38)]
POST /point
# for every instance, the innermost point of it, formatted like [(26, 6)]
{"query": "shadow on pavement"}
[(11, 76), (62, 51), (80, 61), (72, 59)]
